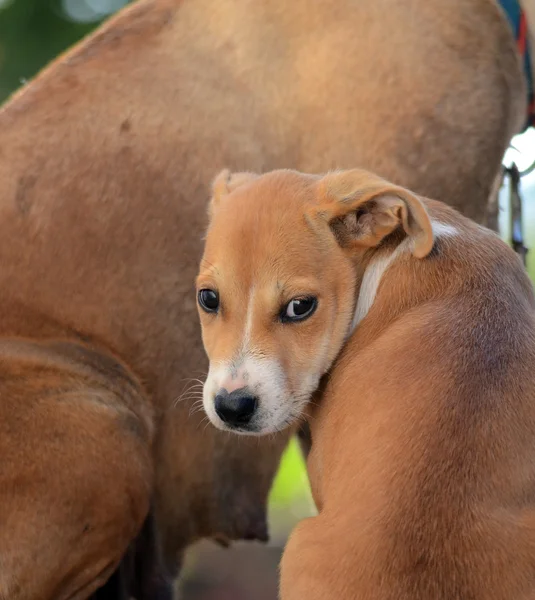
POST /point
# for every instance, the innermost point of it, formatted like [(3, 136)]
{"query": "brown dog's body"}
[(423, 441), (423, 437), (104, 160), (87, 428)]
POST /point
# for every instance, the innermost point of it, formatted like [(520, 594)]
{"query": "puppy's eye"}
[(299, 309), (208, 300)]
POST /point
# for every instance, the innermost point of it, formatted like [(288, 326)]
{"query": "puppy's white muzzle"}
[(250, 398)]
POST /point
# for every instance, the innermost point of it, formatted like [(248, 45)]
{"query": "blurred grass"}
[(291, 478)]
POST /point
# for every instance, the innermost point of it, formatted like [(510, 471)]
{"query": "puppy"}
[(423, 439)]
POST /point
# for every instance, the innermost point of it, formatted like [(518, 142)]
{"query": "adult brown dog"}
[(104, 160)]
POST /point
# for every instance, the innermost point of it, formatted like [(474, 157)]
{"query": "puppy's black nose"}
[(237, 408)]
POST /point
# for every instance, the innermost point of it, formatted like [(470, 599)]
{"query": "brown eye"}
[(208, 300), (299, 309)]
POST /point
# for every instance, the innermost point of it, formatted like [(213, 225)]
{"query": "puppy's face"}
[(275, 301), (276, 295)]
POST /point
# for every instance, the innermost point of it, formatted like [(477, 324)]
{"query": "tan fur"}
[(105, 160), (85, 467), (392, 206), (423, 433), (423, 440)]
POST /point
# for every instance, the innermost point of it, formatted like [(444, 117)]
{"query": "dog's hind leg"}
[(141, 574), (76, 477)]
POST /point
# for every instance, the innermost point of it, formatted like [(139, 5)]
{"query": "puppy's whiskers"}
[(193, 391)]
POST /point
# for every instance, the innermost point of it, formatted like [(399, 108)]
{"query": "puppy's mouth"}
[(252, 430)]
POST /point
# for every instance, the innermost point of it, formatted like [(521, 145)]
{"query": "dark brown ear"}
[(224, 184), (362, 209)]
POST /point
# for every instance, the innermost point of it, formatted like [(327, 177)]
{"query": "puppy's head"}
[(283, 260)]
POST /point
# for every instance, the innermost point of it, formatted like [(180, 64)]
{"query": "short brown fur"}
[(423, 435), (104, 164)]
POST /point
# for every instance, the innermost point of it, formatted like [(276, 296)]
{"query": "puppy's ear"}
[(225, 183), (362, 209)]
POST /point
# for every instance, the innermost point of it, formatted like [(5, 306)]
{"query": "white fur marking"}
[(376, 269), (443, 229), (248, 321), (371, 280), (267, 381)]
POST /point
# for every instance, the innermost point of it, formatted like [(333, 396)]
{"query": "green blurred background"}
[(33, 32)]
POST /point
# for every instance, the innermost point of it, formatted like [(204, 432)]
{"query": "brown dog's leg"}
[(76, 476), (147, 577), (141, 574)]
